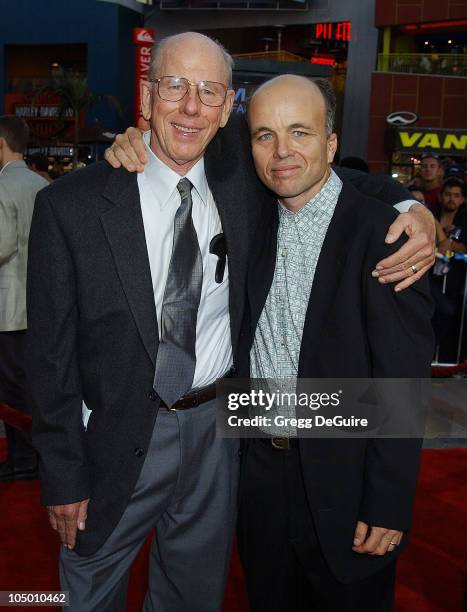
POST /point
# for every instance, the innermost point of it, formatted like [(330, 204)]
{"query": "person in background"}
[(415, 183), (448, 277), (432, 173), (39, 163), (455, 171), (417, 194), (18, 189), (450, 219)]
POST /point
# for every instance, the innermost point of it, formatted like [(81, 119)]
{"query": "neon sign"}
[(333, 31)]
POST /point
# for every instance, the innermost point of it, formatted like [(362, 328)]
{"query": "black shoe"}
[(8, 472)]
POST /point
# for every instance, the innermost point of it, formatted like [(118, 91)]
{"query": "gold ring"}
[(414, 269)]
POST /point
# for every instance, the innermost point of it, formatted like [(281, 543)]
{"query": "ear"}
[(331, 147), (146, 89), (227, 107)]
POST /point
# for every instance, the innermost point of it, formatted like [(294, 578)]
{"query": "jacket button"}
[(152, 396), (139, 452)]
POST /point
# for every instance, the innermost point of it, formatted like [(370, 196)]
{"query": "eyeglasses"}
[(174, 89)]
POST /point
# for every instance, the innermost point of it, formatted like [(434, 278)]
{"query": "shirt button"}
[(152, 395), (139, 452)]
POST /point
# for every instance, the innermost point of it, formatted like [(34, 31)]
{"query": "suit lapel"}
[(262, 263), (328, 274), (124, 229)]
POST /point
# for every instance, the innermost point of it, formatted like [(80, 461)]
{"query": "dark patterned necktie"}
[(176, 357)]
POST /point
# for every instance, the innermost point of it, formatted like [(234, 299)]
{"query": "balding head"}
[(302, 86), (199, 43)]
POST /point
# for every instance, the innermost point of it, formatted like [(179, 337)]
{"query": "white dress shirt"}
[(160, 200)]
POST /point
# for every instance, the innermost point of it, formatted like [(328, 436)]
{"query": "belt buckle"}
[(281, 443)]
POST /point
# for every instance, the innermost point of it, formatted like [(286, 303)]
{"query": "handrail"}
[(452, 64)]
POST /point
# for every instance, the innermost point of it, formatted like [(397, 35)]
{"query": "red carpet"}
[(431, 575)]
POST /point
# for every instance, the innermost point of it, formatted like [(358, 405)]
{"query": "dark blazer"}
[(354, 328), (93, 332)]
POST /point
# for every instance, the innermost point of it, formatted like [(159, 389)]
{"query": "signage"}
[(323, 60), (143, 39), (402, 118), (243, 92), (422, 140), (333, 31), (42, 112)]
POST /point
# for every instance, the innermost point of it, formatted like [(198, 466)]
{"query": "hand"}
[(66, 519), (445, 245), (379, 542), (128, 150), (418, 251)]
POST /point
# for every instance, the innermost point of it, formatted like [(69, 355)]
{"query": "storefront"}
[(405, 146)]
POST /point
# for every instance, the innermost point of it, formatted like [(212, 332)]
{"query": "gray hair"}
[(330, 101), (159, 48)]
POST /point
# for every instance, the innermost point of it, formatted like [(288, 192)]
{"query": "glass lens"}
[(211, 94), (174, 89)]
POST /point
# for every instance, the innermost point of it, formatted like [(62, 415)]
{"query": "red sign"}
[(322, 61), (143, 39), (333, 31)]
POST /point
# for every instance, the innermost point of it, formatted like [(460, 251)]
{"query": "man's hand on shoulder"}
[(378, 542), (66, 519), (416, 256), (128, 150)]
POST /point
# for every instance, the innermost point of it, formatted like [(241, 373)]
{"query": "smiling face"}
[(182, 130), (291, 148)]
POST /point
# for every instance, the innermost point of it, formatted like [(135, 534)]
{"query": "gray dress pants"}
[(187, 492)]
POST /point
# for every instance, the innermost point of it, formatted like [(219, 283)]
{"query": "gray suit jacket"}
[(18, 189)]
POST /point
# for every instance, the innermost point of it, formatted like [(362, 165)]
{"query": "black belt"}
[(197, 397), (280, 444)]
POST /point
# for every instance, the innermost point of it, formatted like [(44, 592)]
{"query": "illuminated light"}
[(436, 24), (395, 175), (55, 65), (89, 157), (443, 24), (426, 42), (333, 31), (450, 42), (322, 61)]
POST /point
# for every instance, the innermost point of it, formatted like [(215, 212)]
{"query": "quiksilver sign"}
[(419, 140)]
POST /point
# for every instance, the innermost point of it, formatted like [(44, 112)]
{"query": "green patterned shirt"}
[(276, 348)]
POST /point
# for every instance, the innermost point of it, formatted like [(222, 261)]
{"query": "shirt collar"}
[(324, 201), (19, 163), (167, 180)]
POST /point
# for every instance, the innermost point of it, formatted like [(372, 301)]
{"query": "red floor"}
[(431, 575)]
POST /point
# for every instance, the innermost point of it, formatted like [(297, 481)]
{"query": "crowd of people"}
[(440, 185)]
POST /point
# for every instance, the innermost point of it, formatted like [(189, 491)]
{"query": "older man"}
[(131, 322), (322, 520)]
